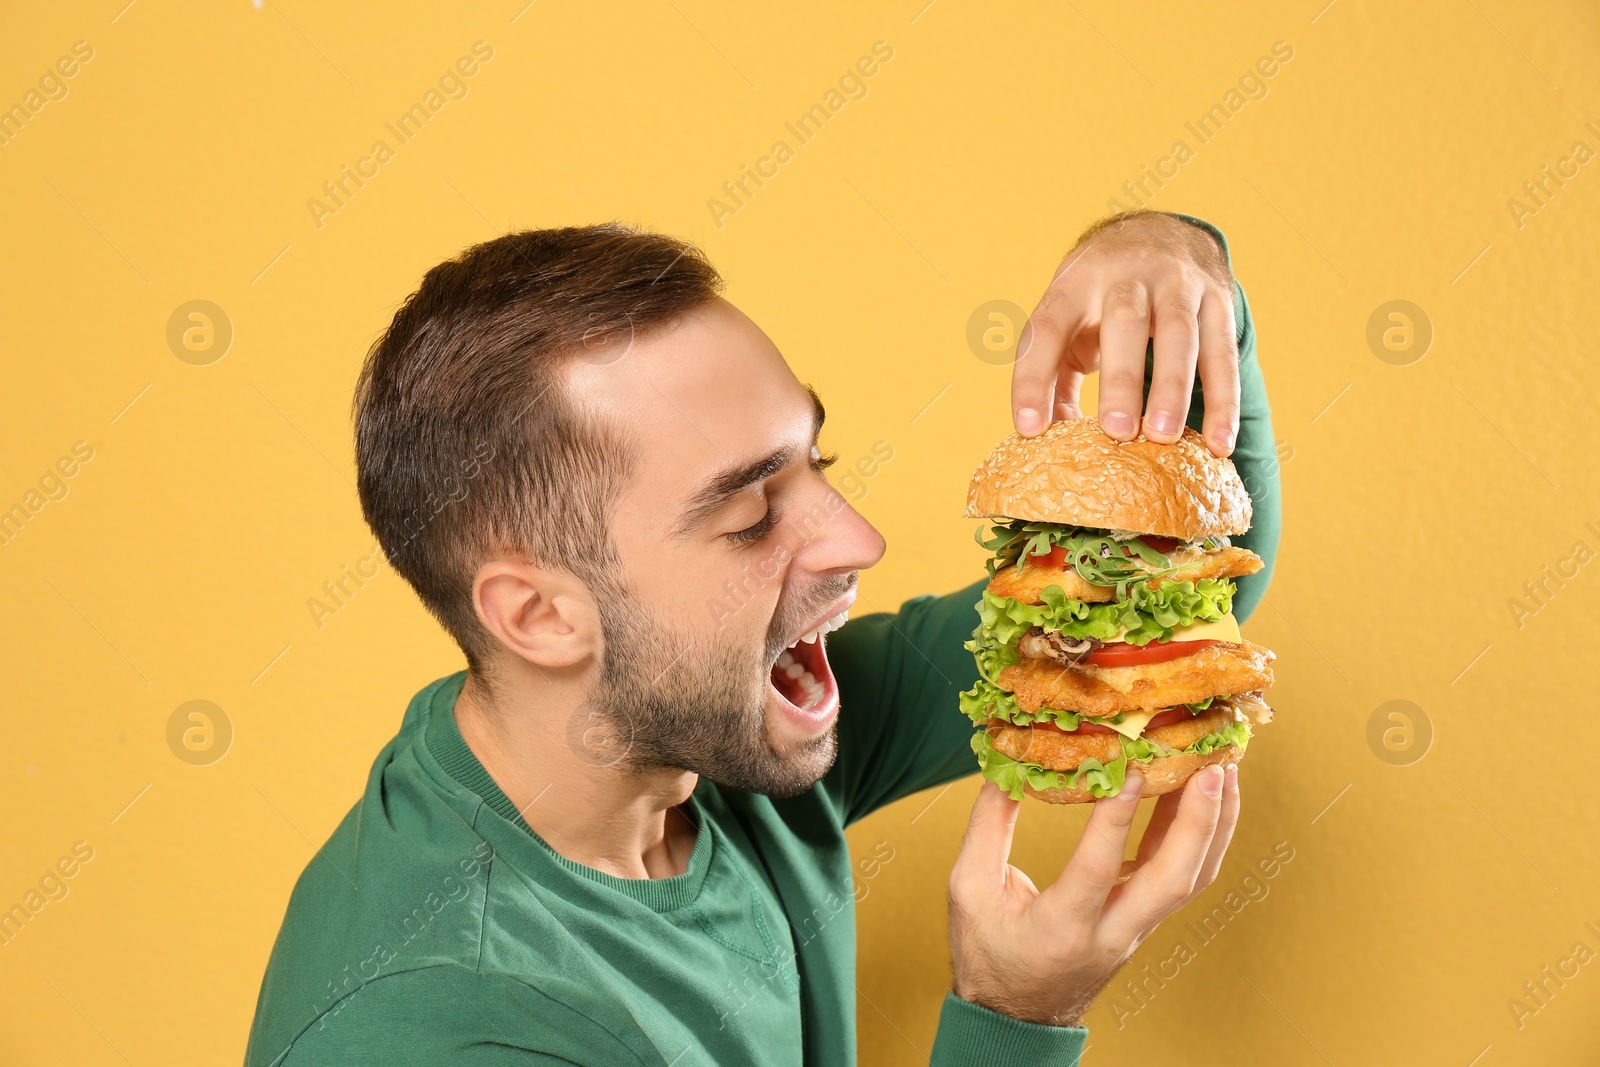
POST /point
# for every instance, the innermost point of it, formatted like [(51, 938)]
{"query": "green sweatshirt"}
[(435, 927)]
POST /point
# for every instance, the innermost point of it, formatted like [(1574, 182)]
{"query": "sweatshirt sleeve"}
[(900, 725), (1255, 452), (970, 1035)]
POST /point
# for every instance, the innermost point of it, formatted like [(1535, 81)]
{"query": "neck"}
[(531, 737)]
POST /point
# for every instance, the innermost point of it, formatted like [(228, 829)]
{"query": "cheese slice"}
[(1133, 722), (1223, 629)]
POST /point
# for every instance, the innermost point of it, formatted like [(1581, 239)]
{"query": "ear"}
[(546, 617)]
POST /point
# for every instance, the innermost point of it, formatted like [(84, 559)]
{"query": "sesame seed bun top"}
[(1075, 475)]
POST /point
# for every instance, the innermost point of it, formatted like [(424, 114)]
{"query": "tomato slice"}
[(1056, 558), (1164, 718), (1083, 728), (1122, 654)]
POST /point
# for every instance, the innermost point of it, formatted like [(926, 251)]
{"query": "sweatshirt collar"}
[(449, 749)]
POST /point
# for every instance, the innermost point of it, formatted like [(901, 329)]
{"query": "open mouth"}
[(802, 677)]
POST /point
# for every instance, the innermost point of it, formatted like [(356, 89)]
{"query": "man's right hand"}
[(1044, 956)]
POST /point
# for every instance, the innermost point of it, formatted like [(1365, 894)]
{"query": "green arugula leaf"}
[(1099, 557)]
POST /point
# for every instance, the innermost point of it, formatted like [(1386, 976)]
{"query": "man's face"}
[(733, 549)]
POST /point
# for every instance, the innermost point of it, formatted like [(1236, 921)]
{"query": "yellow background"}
[(1377, 167)]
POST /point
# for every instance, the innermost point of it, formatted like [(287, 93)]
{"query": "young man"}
[(618, 836)]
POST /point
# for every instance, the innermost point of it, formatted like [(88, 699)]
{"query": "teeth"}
[(805, 683), (827, 627), (785, 658), (812, 689)]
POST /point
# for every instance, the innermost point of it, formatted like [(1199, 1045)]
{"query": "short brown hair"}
[(467, 441)]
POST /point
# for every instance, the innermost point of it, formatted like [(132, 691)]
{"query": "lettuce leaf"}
[(1235, 733), (1100, 779), (1146, 614), (1143, 749), (985, 701)]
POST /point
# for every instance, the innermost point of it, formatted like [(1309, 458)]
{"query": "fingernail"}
[(1223, 440), (1233, 776), (1211, 783), (1028, 421), (1131, 785), (1117, 423), (1163, 423)]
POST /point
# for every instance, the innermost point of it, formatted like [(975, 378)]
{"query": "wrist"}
[(1167, 233), (1217, 260)]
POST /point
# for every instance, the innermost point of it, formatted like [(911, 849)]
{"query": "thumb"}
[(986, 848)]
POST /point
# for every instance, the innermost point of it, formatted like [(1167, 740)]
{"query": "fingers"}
[(1155, 831), (1169, 878), (1042, 350), (1080, 892), (1177, 347), (1219, 372), (1124, 334), (1069, 386), (1225, 825), (986, 848)]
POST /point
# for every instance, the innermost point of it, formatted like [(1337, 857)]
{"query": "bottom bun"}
[(1164, 775)]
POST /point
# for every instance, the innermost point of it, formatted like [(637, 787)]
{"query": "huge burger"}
[(1106, 638)]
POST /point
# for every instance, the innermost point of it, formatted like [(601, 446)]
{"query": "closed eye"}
[(752, 534)]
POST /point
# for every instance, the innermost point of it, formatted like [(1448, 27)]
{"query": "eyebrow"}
[(726, 484)]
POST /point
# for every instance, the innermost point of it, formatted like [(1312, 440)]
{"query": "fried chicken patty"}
[(1100, 692), (1056, 751), (1231, 562)]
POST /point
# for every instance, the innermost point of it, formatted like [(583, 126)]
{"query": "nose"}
[(835, 537)]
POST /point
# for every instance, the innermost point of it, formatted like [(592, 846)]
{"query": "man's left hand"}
[(1130, 279)]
